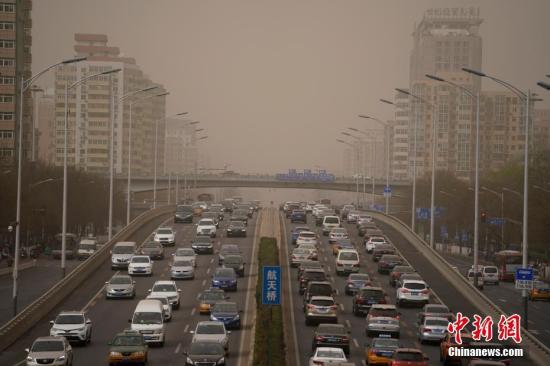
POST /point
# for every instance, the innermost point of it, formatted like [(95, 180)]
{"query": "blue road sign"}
[(444, 232), (422, 213), (497, 221), (271, 285), (524, 274)]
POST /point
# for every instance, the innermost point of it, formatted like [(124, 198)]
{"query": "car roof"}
[(209, 322), (347, 251), (71, 312), (164, 282), (50, 338), (372, 288), (413, 281), (375, 318)]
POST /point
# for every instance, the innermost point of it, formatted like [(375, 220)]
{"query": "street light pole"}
[(501, 196), (373, 160)]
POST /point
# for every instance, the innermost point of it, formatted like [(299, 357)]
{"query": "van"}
[(148, 319), (329, 223), (490, 274), (122, 253), (479, 276)]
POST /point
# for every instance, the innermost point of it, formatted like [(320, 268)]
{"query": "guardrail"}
[(34, 312), (535, 349)]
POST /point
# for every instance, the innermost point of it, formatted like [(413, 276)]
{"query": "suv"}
[(128, 347), (168, 289), (396, 273), (298, 216), (490, 274), (311, 275), (479, 275), (414, 292), (86, 248), (366, 297), (321, 309), (73, 325), (206, 227), (317, 288), (165, 236), (347, 261), (329, 223), (184, 213), (140, 265)]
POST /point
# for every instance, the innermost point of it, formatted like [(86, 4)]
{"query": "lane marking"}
[(186, 328), (355, 343), (502, 300), (208, 270), (342, 307), (348, 323), (193, 311), (211, 260), (204, 282), (177, 350)]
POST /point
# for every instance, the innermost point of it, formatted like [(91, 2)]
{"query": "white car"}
[(490, 274), (166, 307), (413, 292), (185, 254), (347, 261), (470, 276), (313, 254), (182, 269), (337, 234), (364, 219), (353, 216), (373, 241), (317, 209), (329, 223), (165, 236), (86, 248), (73, 325), (327, 356), (306, 237), (168, 289), (212, 331), (140, 265), (206, 227)]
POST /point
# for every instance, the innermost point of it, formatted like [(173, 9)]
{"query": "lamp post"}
[(353, 148), (526, 97), (129, 171), (373, 161), (24, 85), (202, 138), (356, 175), (65, 180), (156, 148)]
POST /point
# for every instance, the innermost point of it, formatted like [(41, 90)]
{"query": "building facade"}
[(181, 156), (45, 127)]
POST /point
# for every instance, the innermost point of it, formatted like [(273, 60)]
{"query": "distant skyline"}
[(274, 83)]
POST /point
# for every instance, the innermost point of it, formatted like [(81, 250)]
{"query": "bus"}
[(71, 241), (507, 262)]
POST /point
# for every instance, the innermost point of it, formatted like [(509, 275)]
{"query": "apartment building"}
[(181, 147)]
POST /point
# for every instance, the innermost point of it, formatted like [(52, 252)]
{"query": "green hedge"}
[(269, 347)]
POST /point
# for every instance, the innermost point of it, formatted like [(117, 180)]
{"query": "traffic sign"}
[(271, 285), (387, 191), (524, 285), (497, 221), (524, 274)]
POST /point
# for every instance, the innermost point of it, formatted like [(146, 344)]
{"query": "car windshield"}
[(322, 290), (147, 318), (185, 252), (184, 209), (233, 260), (310, 264), (339, 231), (437, 309), (490, 270), (206, 348), (225, 272), (403, 269), (376, 294), (230, 249), (123, 249), (322, 302), (225, 308), (436, 322), (414, 285), (390, 258), (164, 231), (87, 246), (377, 240), (348, 256), (150, 245), (315, 276), (332, 220), (471, 274), (392, 313), (69, 319), (205, 222), (217, 295), (332, 329), (236, 224), (385, 343), (307, 235), (210, 328), (164, 288), (140, 260), (162, 299), (120, 280), (202, 240), (408, 356), (359, 277), (47, 346), (183, 264), (300, 251), (127, 341), (330, 354)]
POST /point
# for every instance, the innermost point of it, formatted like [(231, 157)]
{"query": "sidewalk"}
[(24, 263)]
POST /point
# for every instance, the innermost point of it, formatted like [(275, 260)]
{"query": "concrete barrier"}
[(34, 312), (536, 350)]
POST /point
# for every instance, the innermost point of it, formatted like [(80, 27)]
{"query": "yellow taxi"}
[(128, 347), (208, 298), (540, 291), (380, 351)]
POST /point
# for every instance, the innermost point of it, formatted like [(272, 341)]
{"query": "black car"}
[(202, 245), (153, 249), (331, 335), (184, 213), (236, 228), (366, 297), (236, 262), (387, 262), (311, 275), (205, 353), (239, 215)]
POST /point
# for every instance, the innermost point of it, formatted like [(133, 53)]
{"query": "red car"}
[(409, 357)]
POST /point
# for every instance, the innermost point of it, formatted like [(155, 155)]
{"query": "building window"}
[(6, 116), (7, 26), (6, 98), (7, 8), (6, 134), (6, 43), (7, 152), (7, 62), (7, 80)]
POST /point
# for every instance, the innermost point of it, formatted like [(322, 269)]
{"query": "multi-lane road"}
[(111, 316)]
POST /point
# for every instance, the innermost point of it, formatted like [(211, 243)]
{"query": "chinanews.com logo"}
[(508, 328)]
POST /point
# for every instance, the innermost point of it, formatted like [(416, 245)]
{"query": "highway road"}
[(304, 334), (111, 316)]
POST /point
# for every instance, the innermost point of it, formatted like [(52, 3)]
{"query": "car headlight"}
[(216, 282), (61, 358), (189, 361), (30, 359), (221, 361), (237, 317), (139, 354), (115, 354), (213, 318), (157, 331)]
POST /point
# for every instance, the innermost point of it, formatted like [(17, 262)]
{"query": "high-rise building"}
[(45, 127), (89, 117), (15, 63), (181, 147)]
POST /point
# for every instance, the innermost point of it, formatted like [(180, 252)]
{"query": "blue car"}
[(296, 231), (227, 313), (225, 278), (298, 216)]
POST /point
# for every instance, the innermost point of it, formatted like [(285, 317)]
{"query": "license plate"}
[(415, 293), (370, 302), (323, 310)]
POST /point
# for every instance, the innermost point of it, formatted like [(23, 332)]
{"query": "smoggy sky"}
[(274, 82)]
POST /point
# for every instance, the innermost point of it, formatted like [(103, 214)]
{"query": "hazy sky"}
[(275, 81)]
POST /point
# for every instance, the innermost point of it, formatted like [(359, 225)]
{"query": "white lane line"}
[(208, 270), (342, 307), (211, 260), (177, 350), (199, 294), (193, 311), (348, 323), (337, 292), (363, 363), (186, 328), (534, 331), (530, 322), (328, 269), (355, 343), (204, 282), (502, 300)]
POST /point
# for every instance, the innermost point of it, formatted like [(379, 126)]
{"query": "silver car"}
[(378, 325), (433, 329), (73, 325), (54, 351), (182, 269), (120, 286), (211, 331)]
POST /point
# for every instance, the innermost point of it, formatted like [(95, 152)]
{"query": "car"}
[(409, 357), (345, 211), (321, 309), (329, 222), (380, 351), (413, 292), (308, 264), (306, 237), (165, 236), (397, 272), (321, 216), (239, 215), (208, 353), (311, 275), (435, 310), (185, 254), (128, 348), (540, 291), (166, 307), (236, 262), (299, 255), (140, 265), (331, 335), (228, 249), (212, 216), (202, 245), (206, 227), (198, 209), (363, 227), (298, 216), (347, 261), (52, 350), (381, 249), (184, 214), (218, 210), (490, 274), (227, 205), (225, 278), (356, 281), (73, 325), (342, 244), (327, 356), (470, 276), (317, 288), (407, 276), (386, 310), (153, 249), (432, 329), (377, 325), (235, 228), (168, 289), (86, 248), (296, 231), (289, 207), (211, 331), (122, 253), (336, 234), (120, 286), (227, 313), (363, 218), (353, 216), (366, 297), (182, 269), (371, 230), (314, 255), (209, 297), (387, 262), (448, 342), (248, 207)]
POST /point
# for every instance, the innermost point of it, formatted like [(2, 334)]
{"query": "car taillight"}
[(406, 290), (310, 307), (319, 363), (360, 301), (345, 339), (383, 301), (356, 265), (293, 256), (319, 338), (333, 307), (425, 291), (427, 330)]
